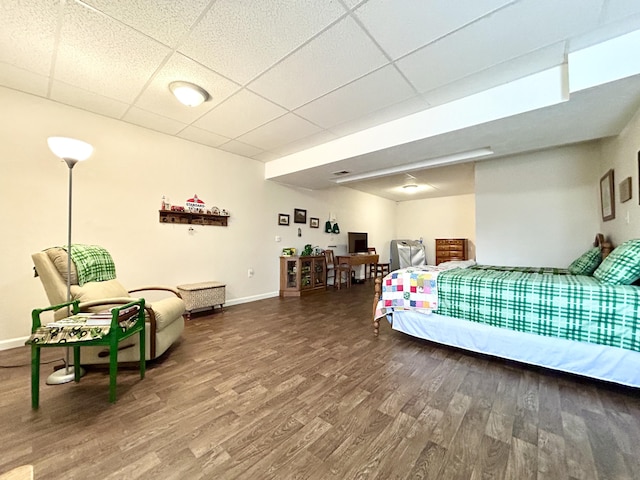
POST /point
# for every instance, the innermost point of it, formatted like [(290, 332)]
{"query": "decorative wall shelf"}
[(188, 218)]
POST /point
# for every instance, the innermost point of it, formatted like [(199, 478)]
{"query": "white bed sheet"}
[(596, 361)]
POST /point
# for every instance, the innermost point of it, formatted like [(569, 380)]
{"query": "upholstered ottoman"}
[(202, 295)]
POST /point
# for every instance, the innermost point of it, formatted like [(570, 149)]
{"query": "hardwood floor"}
[(300, 388)]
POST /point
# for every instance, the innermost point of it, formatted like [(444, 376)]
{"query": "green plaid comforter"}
[(546, 270), (573, 307), (93, 263)]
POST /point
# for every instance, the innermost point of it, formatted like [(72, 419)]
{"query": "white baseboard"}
[(13, 343), (253, 298)]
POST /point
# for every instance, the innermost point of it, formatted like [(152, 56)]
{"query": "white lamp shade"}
[(70, 148), (188, 94)]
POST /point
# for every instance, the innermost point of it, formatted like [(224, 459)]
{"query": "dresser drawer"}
[(450, 241), (450, 248)]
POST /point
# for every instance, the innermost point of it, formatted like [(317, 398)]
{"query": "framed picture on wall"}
[(283, 219), (607, 198), (625, 190), (314, 222), (299, 215)]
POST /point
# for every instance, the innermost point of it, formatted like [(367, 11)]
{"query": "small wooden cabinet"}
[(302, 275), (450, 249)]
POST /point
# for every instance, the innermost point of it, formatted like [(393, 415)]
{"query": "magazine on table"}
[(99, 319)]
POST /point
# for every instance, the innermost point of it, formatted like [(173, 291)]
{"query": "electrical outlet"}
[(250, 273), (278, 238)]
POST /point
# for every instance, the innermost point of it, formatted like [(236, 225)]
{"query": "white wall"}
[(117, 194), (537, 209), (446, 217), (621, 154)]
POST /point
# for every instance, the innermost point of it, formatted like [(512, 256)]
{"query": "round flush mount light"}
[(189, 94), (410, 186)]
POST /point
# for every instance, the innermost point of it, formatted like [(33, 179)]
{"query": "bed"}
[(583, 320)]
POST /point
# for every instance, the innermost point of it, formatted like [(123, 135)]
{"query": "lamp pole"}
[(71, 151)]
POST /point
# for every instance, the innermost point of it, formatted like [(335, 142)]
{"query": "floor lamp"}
[(71, 151)]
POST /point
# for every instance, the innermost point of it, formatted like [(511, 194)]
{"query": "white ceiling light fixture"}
[(410, 167), (410, 185), (189, 94)]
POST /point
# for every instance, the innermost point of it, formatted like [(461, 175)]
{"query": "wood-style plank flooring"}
[(300, 388)]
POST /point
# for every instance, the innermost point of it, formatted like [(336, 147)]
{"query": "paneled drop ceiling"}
[(295, 80)]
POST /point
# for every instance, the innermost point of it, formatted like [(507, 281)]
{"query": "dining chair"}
[(379, 267), (336, 270)]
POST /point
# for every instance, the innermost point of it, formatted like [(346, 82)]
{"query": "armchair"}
[(164, 318)]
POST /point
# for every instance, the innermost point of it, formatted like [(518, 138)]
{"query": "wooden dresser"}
[(450, 249)]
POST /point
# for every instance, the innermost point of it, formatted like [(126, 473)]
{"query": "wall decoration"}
[(314, 222), (283, 219), (195, 205), (625, 190), (299, 215), (607, 197)]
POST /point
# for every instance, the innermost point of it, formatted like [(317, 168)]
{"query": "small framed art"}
[(283, 219), (299, 215), (314, 222), (607, 197), (625, 190)]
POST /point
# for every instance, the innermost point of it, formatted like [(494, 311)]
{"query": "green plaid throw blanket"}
[(574, 307), (546, 270), (93, 263)]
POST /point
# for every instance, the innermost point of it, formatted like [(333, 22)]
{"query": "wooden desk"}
[(355, 259)]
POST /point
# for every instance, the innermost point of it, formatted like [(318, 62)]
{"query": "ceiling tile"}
[(95, 49), (77, 97), (165, 21), (241, 39), (487, 42), (158, 98), (345, 52), (242, 112), (279, 132), (307, 142), (240, 148), (154, 122), (265, 157), (202, 136), (353, 3), (605, 32), (619, 9), (509, 71), (27, 33), (384, 115), (23, 80), (403, 26), (372, 92)]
